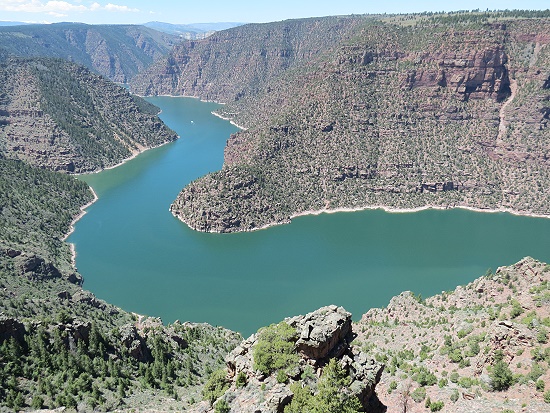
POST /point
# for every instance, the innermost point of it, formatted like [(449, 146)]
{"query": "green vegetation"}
[(501, 376), (275, 349), (36, 207), (222, 407), (241, 379), (436, 406), (329, 397), (216, 386), (419, 394)]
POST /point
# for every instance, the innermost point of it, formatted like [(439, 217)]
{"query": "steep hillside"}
[(482, 347), (58, 115), (118, 52), (443, 112)]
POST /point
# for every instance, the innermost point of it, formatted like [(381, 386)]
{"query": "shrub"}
[(329, 398), (542, 335), (419, 394), (454, 396), (547, 396), (222, 407), (516, 309), (424, 377), (216, 386), (436, 406), (241, 380), (467, 382), (281, 377), (455, 355), (540, 385), (501, 376), (275, 348), (454, 377)]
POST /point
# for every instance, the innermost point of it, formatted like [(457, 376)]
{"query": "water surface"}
[(135, 254)]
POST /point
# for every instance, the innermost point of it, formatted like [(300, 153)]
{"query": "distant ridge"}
[(8, 23), (118, 52), (191, 31)]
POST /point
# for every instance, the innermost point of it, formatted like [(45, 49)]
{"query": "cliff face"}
[(396, 116), (60, 116), (118, 52)]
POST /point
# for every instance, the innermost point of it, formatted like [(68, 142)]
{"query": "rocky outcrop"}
[(89, 299), (134, 343), (322, 335), (11, 328), (475, 74), (35, 267)]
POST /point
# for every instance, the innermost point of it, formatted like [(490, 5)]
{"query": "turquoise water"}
[(135, 254)]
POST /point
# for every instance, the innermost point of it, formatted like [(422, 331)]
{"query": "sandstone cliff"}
[(389, 114)]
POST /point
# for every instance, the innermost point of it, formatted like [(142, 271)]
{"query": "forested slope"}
[(60, 346)]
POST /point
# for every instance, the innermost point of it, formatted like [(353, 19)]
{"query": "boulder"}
[(323, 332), (136, 345)]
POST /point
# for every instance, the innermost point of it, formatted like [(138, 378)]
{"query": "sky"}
[(213, 11)]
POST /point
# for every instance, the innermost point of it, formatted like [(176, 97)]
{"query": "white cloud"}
[(115, 7), (58, 8), (56, 14)]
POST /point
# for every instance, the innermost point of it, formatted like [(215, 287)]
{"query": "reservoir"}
[(133, 253)]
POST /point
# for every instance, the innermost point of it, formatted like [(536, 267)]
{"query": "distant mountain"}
[(118, 52), (191, 31), (5, 23)]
